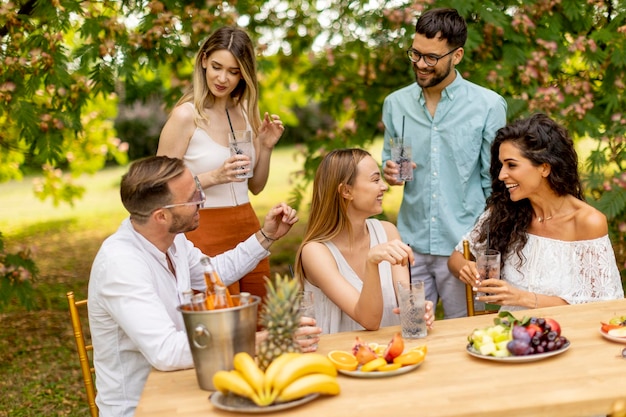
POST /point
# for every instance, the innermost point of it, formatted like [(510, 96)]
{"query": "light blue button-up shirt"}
[(452, 153)]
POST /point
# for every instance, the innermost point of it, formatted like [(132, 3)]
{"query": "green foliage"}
[(17, 270), (66, 64)]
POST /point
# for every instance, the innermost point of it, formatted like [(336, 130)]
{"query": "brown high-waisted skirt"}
[(224, 228)]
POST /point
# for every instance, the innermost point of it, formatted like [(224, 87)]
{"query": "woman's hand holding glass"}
[(429, 315), (308, 335)]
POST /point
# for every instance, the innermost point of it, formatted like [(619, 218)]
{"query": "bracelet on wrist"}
[(266, 236)]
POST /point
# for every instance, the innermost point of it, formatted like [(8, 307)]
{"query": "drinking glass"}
[(412, 303), (401, 155), (240, 142), (488, 264), (307, 308)]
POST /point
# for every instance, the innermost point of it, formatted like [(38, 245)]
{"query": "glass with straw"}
[(240, 143), (401, 154)]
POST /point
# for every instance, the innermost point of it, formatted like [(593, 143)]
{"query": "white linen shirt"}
[(132, 304)]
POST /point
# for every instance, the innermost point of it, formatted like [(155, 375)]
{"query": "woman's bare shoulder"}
[(390, 229), (183, 113), (591, 223)]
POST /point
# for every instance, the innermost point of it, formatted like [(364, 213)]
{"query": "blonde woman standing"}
[(224, 97)]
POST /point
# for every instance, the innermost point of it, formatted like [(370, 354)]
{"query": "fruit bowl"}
[(615, 329), (373, 360), (518, 359), (237, 404), (380, 374), (514, 340)]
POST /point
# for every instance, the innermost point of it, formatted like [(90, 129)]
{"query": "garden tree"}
[(566, 58), (67, 65)]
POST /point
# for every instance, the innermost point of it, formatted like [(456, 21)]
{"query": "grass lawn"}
[(41, 376)]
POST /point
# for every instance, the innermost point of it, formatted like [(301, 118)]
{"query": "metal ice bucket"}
[(216, 335)]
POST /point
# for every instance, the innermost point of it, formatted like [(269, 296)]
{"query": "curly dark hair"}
[(542, 141)]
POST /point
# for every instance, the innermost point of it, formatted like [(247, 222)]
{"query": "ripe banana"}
[(233, 381), (309, 384), (304, 364), (245, 364), (274, 369)]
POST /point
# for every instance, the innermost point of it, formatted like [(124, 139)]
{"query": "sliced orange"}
[(343, 360), (389, 367), (379, 349), (411, 357), (373, 365), (421, 348)]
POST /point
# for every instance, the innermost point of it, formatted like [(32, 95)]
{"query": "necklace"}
[(545, 219)]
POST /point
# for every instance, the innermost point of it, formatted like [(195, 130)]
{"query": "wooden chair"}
[(470, 295), (82, 348)]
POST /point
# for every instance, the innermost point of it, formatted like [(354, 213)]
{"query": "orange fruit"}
[(411, 357), (373, 365), (422, 348), (343, 360), (389, 367)]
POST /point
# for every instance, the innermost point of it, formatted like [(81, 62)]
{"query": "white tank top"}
[(204, 154)]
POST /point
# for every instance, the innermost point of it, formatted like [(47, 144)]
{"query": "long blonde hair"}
[(246, 94), (329, 210)]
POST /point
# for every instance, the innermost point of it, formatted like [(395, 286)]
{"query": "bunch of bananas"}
[(287, 378)]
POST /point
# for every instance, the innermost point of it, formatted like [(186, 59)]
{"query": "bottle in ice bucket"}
[(220, 297), (187, 299), (198, 302), (213, 282), (244, 298)]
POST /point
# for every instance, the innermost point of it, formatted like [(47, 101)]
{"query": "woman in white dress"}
[(348, 260), (555, 247)]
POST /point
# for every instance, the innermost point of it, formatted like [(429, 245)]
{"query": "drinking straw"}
[(408, 263), (237, 150), (230, 123), (402, 138)]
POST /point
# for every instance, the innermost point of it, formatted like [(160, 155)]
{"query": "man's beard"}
[(182, 224), (438, 76)]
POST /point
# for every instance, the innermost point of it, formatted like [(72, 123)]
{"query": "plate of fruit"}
[(373, 360), (614, 329), (290, 380), (512, 340)]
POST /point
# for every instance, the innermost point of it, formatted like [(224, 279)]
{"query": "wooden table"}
[(584, 381)]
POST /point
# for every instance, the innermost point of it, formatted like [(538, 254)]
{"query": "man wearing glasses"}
[(450, 124), (141, 272)]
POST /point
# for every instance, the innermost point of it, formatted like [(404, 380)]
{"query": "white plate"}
[(378, 374), (526, 358), (613, 338), (239, 404)]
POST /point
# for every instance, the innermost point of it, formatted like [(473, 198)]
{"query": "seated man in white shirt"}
[(141, 272)]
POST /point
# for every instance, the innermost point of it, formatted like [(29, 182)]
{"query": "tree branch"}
[(26, 9)]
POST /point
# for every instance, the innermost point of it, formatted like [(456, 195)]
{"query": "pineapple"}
[(281, 319)]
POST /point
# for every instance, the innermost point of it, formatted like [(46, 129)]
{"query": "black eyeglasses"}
[(429, 59), (199, 199)]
